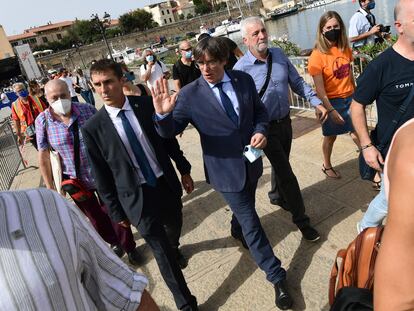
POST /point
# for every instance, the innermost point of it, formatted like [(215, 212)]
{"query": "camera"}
[(385, 29)]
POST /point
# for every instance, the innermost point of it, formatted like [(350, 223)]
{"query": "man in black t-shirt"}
[(388, 80), (185, 70), (234, 50)]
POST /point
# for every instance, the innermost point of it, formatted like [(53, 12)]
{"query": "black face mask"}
[(333, 35)]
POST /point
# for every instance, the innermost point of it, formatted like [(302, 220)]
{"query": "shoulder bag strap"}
[(269, 71), (397, 117), (76, 148)]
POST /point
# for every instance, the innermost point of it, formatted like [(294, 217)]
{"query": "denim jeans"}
[(377, 210), (88, 97)]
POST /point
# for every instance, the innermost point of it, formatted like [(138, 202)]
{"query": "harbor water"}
[(300, 28)]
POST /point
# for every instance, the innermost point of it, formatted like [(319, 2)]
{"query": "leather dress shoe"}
[(240, 237), (135, 258), (117, 249), (182, 261), (283, 299)]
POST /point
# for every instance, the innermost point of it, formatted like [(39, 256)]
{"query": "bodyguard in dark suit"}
[(133, 171), (227, 112)]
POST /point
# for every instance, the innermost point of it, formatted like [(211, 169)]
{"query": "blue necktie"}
[(228, 106), (139, 153)]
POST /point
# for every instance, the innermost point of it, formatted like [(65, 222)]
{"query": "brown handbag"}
[(357, 263)]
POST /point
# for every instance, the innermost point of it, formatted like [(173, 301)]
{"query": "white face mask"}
[(62, 106)]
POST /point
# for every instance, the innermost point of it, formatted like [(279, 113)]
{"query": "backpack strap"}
[(396, 120), (269, 72), (76, 148)]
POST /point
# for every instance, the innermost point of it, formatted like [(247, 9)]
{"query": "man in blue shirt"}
[(285, 188)]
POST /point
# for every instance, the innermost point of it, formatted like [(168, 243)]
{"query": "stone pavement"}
[(221, 274)]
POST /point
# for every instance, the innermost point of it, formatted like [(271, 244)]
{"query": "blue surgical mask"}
[(23, 93), (188, 54), (129, 76), (371, 5), (150, 58)]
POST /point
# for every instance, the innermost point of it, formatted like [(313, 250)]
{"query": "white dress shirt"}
[(229, 90), (149, 152)]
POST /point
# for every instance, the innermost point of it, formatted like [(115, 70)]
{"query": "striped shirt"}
[(51, 258), (59, 137)]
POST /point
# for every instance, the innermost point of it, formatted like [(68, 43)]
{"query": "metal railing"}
[(10, 155), (301, 65)]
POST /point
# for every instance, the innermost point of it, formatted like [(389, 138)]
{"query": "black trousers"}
[(158, 210), (283, 180), (33, 141)]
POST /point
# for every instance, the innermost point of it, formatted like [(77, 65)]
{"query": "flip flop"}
[(376, 185), (325, 169)]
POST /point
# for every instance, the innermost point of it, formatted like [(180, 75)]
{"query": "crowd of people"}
[(116, 163)]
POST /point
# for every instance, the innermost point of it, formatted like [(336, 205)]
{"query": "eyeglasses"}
[(186, 50), (209, 63)]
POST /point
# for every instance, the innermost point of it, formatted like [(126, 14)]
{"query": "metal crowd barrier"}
[(301, 65), (10, 156)]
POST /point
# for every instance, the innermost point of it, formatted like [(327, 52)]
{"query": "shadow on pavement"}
[(322, 214)]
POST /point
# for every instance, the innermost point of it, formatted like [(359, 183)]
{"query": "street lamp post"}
[(106, 21)]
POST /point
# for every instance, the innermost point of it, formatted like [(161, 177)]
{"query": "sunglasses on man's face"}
[(186, 50)]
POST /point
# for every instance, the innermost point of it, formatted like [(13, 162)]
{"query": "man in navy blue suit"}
[(227, 112)]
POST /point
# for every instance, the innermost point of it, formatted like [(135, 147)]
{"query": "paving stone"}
[(221, 274)]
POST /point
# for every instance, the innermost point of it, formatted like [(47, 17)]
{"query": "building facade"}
[(6, 50), (36, 36), (162, 13)]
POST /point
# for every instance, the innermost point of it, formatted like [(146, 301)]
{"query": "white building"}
[(162, 12), (185, 8)]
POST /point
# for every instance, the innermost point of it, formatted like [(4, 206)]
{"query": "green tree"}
[(202, 7), (137, 20), (87, 31), (189, 16)]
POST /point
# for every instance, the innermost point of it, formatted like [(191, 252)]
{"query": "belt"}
[(277, 121)]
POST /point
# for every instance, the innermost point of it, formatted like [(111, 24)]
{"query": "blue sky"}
[(23, 14)]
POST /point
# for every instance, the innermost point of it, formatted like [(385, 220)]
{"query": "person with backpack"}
[(273, 74), (388, 80), (58, 128), (152, 69)]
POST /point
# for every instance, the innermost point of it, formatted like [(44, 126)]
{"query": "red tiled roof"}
[(50, 26), (32, 32), (21, 36)]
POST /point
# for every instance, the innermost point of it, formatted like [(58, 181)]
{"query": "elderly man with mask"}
[(57, 128), (152, 69), (24, 112)]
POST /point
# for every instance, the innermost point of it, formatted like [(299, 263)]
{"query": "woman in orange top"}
[(330, 67)]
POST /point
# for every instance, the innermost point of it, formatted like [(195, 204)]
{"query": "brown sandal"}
[(325, 169)]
